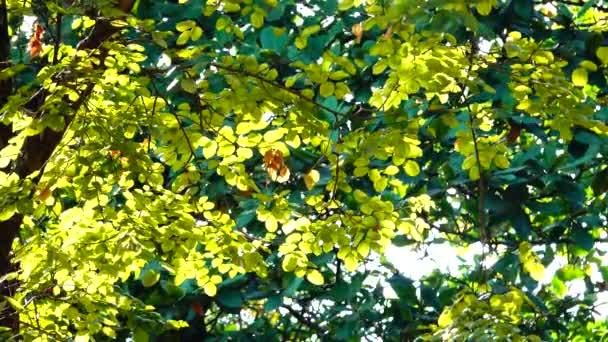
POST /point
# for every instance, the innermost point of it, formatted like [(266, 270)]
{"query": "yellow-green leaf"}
[(257, 19), (602, 54), (411, 168), (197, 33), (185, 25), (363, 249), (580, 77), (150, 278), (81, 336), (274, 135), (210, 289), (271, 224), (183, 38), (391, 170), (209, 149), (327, 89), (315, 277), (501, 161), (311, 178), (244, 152)]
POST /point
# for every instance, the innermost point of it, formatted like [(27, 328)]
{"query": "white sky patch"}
[(28, 24), (164, 61), (304, 11), (418, 263)]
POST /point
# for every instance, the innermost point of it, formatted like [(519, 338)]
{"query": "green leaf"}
[(14, 303), (230, 298), (7, 212), (188, 85), (599, 184), (404, 288), (273, 303), (272, 40), (583, 239), (559, 288), (140, 335), (329, 6)]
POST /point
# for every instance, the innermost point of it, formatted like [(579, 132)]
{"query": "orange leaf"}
[(44, 193), (513, 133), (35, 43), (389, 32), (358, 31), (275, 166), (279, 175), (198, 308)]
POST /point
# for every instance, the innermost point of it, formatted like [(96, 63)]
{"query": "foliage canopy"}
[(229, 169)]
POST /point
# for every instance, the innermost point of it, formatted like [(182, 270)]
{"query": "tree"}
[(189, 170)]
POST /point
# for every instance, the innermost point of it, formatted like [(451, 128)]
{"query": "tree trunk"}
[(36, 149), (8, 229)]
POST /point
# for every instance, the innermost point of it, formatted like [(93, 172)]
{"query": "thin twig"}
[(57, 38)]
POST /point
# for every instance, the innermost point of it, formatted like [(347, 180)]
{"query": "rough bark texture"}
[(36, 149)]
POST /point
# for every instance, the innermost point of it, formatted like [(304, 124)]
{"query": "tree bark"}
[(8, 229), (36, 149)]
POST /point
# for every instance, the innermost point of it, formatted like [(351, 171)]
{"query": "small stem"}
[(57, 38)]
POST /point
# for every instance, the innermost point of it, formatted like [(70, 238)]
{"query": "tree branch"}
[(37, 149)]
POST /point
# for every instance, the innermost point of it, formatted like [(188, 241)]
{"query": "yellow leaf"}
[(411, 168), (374, 175), (445, 318), (271, 224), (602, 54), (315, 277), (350, 263), (244, 152), (391, 170), (380, 184), (183, 38), (185, 25), (81, 337), (485, 7), (289, 263), (589, 65), (209, 149), (210, 289), (311, 178), (197, 33), (363, 249), (580, 77), (274, 135)]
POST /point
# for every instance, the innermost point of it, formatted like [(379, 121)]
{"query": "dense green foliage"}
[(235, 169)]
